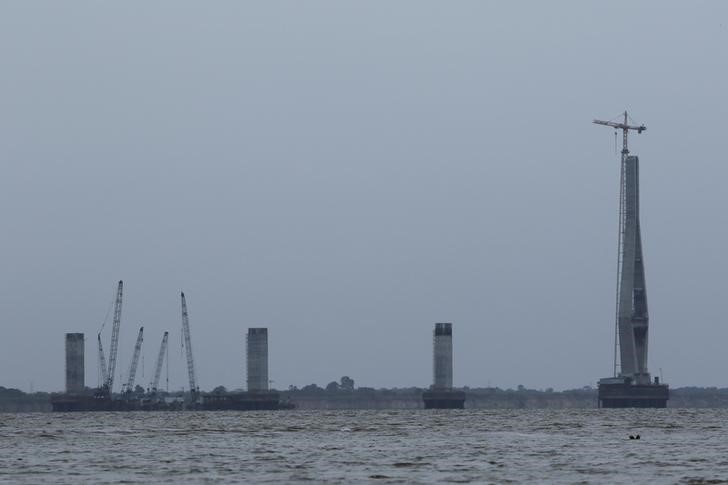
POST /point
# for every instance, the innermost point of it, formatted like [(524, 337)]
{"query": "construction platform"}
[(86, 403), (444, 399), (621, 393), (101, 402)]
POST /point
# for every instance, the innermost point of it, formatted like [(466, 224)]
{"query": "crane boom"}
[(102, 361), (188, 344), (114, 338), (135, 360), (160, 361)]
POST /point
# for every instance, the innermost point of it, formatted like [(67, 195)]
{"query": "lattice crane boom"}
[(102, 361), (160, 362), (188, 345), (114, 338), (135, 360)]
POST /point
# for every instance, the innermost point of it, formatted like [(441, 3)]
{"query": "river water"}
[(470, 446)]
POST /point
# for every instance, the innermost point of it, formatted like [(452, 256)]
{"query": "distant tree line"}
[(345, 384), (344, 391), (15, 400)]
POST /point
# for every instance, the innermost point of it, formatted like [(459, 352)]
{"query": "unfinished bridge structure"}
[(441, 394), (631, 385)]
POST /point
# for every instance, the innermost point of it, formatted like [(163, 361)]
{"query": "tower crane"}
[(109, 385), (102, 361), (160, 361), (625, 127), (188, 345), (135, 360)]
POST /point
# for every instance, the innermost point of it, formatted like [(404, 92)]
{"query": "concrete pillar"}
[(442, 352), (257, 359), (75, 366)]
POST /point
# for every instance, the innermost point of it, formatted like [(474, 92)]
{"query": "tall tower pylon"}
[(631, 386), (630, 344)]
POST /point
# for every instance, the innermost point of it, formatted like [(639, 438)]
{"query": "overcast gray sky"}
[(347, 174)]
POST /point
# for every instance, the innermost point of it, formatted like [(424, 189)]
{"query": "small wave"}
[(702, 481)]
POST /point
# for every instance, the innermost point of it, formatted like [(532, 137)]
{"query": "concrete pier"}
[(257, 360), (442, 357), (441, 394), (258, 396), (75, 365)]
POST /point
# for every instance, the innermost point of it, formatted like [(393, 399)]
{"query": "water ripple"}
[(470, 446)]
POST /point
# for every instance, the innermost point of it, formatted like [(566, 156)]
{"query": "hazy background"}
[(348, 174)]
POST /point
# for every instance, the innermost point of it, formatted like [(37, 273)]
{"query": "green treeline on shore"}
[(15, 400)]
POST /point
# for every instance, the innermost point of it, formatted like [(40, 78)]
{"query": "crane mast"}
[(135, 360), (160, 361), (114, 339), (188, 345), (102, 361), (625, 127)]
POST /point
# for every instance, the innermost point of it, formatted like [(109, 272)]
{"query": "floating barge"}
[(444, 399), (245, 401)]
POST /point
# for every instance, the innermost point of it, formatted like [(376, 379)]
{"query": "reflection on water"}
[(571, 446)]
